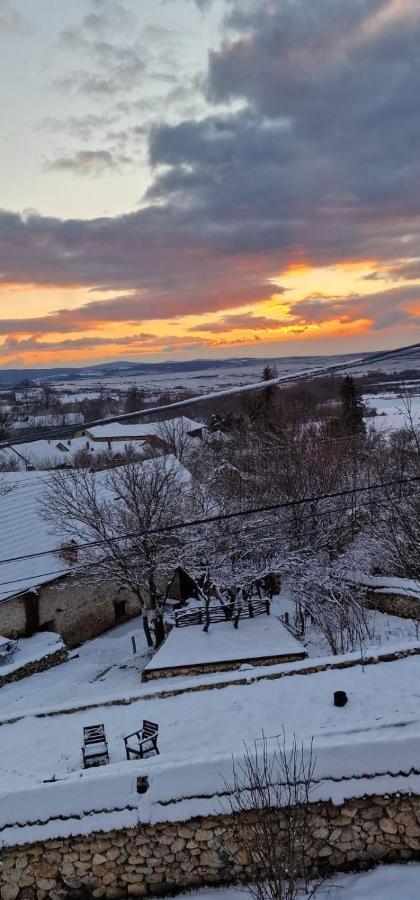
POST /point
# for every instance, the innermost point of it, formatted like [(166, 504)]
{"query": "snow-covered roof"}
[(55, 453), (127, 431), (24, 531)]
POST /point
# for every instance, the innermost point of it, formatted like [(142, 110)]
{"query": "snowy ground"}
[(258, 638), (198, 731), (390, 411), (383, 883), (384, 629), (100, 667), (382, 699)]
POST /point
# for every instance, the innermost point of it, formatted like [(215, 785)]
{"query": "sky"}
[(207, 178)]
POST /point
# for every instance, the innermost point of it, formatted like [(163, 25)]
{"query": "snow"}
[(383, 883), (29, 650), (383, 584), (24, 531), (100, 670), (258, 638), (123, 431), (390, 411), (376, 734)]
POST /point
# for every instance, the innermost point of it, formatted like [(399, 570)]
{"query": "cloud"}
[(88, 163), (107, 38), (10, 19), (82, 127), (14, 345), (241, 322), (384, 309), (316, 161)]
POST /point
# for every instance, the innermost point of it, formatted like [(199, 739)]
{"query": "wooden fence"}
[(220, 613)]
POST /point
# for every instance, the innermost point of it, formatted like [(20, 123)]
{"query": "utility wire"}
[(304, 375), (87, 577), (220, 517)]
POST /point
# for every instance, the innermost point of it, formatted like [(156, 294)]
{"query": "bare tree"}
[(125, 511), (176, 435), (335, 604), (268, 801)]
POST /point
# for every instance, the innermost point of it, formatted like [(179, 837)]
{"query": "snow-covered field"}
[(391, 411)]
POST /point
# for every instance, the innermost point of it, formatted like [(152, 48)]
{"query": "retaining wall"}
[(170, 857), (36, 665), (394, 604)]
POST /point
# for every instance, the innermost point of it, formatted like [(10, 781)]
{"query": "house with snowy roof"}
[(38, 590), (156, 435)]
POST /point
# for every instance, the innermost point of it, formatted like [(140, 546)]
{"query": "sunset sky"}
[(207, 178)]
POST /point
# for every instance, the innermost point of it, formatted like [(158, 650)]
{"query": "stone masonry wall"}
[(170, 857), (394, 604), (223, 666), (37, 665)]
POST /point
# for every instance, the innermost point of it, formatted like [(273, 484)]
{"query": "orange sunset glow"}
[(222, 215)]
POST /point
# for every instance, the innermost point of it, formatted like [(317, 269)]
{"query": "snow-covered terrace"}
[(258, 639)]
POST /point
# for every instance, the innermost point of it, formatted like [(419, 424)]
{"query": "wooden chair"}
[(95, 746), (142, 743)]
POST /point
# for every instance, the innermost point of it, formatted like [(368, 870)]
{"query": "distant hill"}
[(9, 378)]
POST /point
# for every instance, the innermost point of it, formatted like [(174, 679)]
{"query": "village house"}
[(154, 434), (42, 593)]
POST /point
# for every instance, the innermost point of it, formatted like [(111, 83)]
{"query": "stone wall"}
[(223, 666), (76, 611), (170, 857), (80, 611), (37, 665), (394, 604), (13, 618)]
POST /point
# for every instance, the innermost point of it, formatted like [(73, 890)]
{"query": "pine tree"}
[(352, 422)]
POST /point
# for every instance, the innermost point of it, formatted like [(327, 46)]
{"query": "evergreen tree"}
[(352, 422)]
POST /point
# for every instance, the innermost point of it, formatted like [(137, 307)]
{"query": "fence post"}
[(251, 610), (267, 607), (286, 618)]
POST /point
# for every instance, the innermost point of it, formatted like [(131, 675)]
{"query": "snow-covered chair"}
[(142, 743), (95, 746)]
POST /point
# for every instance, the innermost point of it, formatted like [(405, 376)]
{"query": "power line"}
[(68, 431), (221, 517), (84, 576)]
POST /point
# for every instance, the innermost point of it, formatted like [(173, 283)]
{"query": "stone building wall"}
[(170, 857), (79, 612), (75, 611), (394, 604), (13, 618)]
